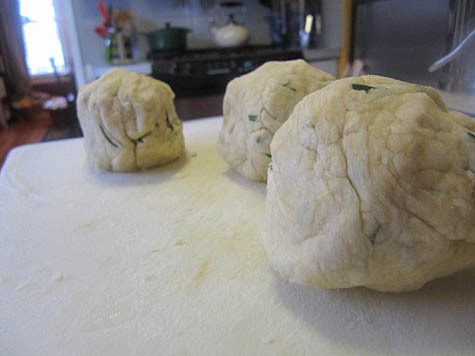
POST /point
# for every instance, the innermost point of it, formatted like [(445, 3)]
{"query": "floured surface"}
[(169, 262)]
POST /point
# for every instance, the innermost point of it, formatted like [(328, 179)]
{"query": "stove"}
[(207, 71)]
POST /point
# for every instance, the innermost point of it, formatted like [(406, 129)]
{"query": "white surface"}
[(168, 262)]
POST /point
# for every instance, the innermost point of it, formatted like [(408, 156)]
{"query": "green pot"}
[(167, 38)]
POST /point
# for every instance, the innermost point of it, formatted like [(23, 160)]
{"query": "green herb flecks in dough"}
[(373, 236), (140, 139), (169, 125), (286, 85), (366, 88), (107, 137)]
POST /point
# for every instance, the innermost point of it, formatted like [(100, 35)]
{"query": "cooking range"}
[(207, 71)]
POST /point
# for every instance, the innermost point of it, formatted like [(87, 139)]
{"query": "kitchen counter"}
[(460, 102), (319, 54), (168, 261)]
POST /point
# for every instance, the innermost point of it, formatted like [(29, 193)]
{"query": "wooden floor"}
[(38, 125)]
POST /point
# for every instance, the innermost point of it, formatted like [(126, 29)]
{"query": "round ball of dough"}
[(256, 105), (371, 184), (129, 122)]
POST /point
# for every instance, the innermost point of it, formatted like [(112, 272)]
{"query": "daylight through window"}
[(42, 40)]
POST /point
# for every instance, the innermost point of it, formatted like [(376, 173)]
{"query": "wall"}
[(332, 11), (152, 14), (402, 38)]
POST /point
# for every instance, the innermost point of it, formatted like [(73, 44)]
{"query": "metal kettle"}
[(230, 35)]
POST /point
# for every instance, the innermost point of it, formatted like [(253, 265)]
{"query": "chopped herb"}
[(170, 126), (252, 117), (157, 125), (286, 85), (372, 238), (194, 154), (270, 166), (471, 134), (366, 88), (107, 137), (268, 154), (140, 139), (258, 139)]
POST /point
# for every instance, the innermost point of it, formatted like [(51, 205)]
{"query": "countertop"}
[(169, 262), (460, 102)]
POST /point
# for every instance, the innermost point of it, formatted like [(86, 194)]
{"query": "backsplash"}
[(151, 14)]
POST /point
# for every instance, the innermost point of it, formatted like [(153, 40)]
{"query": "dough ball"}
[(464, 120), (256, 105), (371, 184), (129, 122)]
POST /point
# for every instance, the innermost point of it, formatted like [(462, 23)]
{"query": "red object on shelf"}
[(102, 30), (103, 10)]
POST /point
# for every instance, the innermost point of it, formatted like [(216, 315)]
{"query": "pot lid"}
[(168, 27)]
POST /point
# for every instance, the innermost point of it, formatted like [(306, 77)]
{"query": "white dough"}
[(129, 122), (256, 105), (371, 189)]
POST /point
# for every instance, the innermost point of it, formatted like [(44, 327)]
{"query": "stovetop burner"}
[(205, 71)]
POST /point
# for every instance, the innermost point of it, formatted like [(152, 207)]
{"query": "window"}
[(42, 40)]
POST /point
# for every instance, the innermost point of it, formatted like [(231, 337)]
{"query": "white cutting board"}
[(168, 262)]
